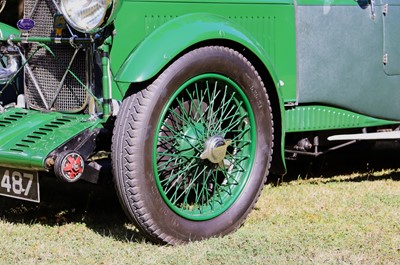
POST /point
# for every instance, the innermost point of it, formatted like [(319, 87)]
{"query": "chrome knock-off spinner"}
[(215, 149)]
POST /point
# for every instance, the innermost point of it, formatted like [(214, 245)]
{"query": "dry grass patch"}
[(342, 219)]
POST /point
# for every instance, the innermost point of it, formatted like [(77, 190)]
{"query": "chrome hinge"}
[(385, 58), (385, 9)]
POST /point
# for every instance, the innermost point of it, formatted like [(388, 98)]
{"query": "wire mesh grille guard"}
[(49, 70)]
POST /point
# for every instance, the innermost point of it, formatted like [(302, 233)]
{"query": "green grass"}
[(335, 219)]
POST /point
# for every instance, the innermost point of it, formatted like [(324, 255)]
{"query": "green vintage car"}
[(193, 103)]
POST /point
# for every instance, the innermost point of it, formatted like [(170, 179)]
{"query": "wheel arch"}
[(198, 30)]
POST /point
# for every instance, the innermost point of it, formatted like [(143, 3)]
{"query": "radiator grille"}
[(49, 70)]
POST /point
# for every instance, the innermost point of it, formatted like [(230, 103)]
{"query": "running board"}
[(393, 135)]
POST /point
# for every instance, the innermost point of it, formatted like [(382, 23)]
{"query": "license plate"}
[(19, 184)]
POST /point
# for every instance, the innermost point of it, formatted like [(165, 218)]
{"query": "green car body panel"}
[(28, 136), (178, 27), (341, 58)]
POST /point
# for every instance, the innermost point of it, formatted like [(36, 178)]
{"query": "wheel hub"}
[(190, 138), (215, 149)]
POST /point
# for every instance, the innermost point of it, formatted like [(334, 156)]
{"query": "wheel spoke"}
[(200, 99), (229, 117), (189, 186), (196, 103), (181, 118), (180, 177), (175, 155)]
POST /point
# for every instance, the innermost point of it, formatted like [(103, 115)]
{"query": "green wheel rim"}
[(204, 147)]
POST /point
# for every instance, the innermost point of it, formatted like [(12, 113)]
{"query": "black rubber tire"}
[(133, 138)]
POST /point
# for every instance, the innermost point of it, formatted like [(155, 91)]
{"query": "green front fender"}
[(152, 54), (6, 31), (173, 37)]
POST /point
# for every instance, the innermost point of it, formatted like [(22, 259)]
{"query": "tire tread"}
[(131, 121)]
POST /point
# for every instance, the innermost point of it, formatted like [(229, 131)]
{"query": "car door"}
[(391, 36), (341, 47)]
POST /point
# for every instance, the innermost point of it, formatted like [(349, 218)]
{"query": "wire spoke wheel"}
[(191, 151), (205, 147)]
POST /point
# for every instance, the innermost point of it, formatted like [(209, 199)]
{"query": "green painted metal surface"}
[(6, 31), (185, 31), (332, 2), (391, 37), (316, 118), (28, 136), (219, 2), (340, 60), (163, 29)]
